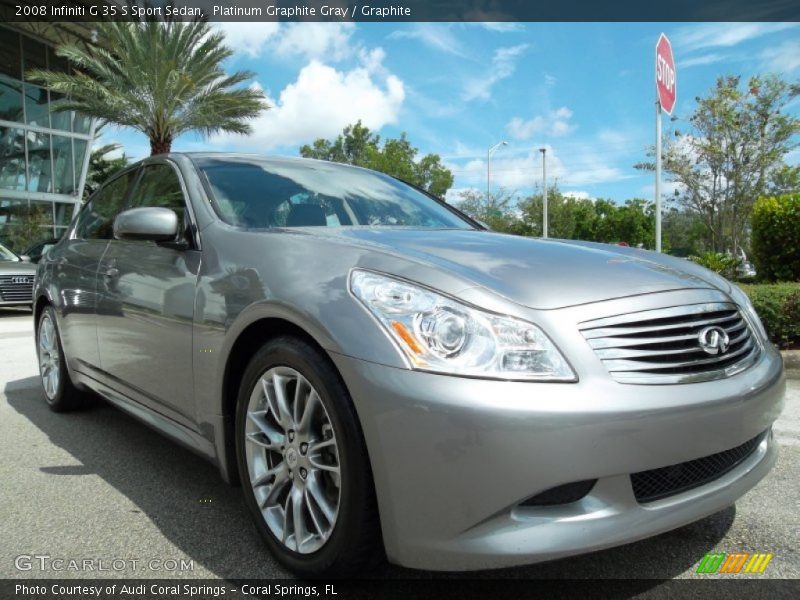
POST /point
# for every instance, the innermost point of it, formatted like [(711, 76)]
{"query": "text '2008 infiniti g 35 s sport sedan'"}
[(385, 377)]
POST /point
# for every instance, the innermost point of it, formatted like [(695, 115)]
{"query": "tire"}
[(287, 463), (59, 391)]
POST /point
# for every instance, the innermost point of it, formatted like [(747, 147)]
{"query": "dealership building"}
[(44, 154)]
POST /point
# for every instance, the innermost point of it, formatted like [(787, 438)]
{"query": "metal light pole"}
[(658, 175), (544, 188), (489, 153)]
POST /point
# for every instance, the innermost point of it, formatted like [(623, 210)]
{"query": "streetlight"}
[(489, 153)]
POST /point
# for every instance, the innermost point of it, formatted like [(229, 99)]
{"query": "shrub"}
[(776, 237), (724, 264), (778, 305)]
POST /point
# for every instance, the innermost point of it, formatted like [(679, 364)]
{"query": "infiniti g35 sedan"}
[(385, 377)]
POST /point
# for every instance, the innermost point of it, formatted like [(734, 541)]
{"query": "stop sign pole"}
[(666, 93)]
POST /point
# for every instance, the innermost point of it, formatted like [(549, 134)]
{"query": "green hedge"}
[(776, 237), (778, 305)]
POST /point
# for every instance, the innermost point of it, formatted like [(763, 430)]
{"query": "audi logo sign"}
[(21, 280)]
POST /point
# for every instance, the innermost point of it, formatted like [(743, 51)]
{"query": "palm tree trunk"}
[(160, 146)]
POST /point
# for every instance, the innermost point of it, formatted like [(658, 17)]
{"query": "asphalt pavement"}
[(98, 485)]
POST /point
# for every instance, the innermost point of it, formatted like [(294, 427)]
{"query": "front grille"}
[(11, 291), (656, 484), (663, 345)]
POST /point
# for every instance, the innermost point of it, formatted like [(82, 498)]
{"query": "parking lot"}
[(99, 485)]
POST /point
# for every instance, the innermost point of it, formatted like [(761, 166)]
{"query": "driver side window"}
[(159, 186)]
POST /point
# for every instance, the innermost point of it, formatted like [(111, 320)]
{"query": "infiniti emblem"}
[(714, 340), (21, 280)]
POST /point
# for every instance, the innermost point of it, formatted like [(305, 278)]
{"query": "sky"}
[(584, 91)]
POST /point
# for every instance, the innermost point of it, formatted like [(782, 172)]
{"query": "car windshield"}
[(281, 193), (6, 254)]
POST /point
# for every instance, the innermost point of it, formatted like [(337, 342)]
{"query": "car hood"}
[(8, 267), (536, 273)]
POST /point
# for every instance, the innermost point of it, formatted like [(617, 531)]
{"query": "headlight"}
[(437, 333), (738, 295)]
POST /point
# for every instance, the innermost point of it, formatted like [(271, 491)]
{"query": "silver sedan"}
[(385, 377)]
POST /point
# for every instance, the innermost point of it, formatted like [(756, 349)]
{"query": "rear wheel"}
[(60, 393), (303, 463)]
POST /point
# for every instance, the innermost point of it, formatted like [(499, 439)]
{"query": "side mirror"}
[(25, 258), (147, 223)]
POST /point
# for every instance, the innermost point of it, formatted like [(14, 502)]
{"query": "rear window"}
[(263, 194)]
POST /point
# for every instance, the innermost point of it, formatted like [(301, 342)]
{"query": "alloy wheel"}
[(49, 360), (293, 459)]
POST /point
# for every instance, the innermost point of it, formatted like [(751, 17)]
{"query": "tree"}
[(160, 78), (359, 146), (733, 154), (101, 168), (496, 211), (685, 232)]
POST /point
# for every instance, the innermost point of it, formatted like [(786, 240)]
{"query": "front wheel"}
[(303, 463)]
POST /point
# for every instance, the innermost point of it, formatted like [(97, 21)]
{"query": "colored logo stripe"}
[(720, 562)]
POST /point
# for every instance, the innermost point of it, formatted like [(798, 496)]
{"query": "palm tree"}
[(160, 78)]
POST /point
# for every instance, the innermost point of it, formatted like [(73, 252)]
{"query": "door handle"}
[(112, 272)]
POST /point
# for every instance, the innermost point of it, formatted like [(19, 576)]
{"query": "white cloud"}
[(503, 26), (331, 41), (783, 58), (556, 123), (578, 168), (438, 36), (504, 63), (248, 38), (322, 101), (711, 35), (703, 59)]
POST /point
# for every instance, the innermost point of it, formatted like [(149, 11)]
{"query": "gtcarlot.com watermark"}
[(47, 563)]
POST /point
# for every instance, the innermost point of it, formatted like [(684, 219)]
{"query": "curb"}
[(791, 363)]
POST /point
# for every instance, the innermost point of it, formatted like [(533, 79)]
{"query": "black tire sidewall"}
[(350, 533)]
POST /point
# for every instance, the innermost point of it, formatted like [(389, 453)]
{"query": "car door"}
[(146, 291), (75, 263)]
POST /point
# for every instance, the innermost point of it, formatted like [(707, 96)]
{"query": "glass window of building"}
[(40, 173), (42, 151), (12, 159), (10, 56), (63, 178), (10, 100), (37, 109), (34, 55)]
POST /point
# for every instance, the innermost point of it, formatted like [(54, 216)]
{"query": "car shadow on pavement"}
[(185, 498)]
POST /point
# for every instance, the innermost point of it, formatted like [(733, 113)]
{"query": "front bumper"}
[(453, 458)]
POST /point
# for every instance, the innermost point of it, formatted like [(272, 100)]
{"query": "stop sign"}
[(666, 82)]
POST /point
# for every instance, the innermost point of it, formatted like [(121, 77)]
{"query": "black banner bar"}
[(79, 11), (439, 588)]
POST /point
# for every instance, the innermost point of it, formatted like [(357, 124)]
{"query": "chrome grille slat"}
[(620, 342), (633, 365), (662, 345), (15, 292), (634, 352), (619, 331)]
